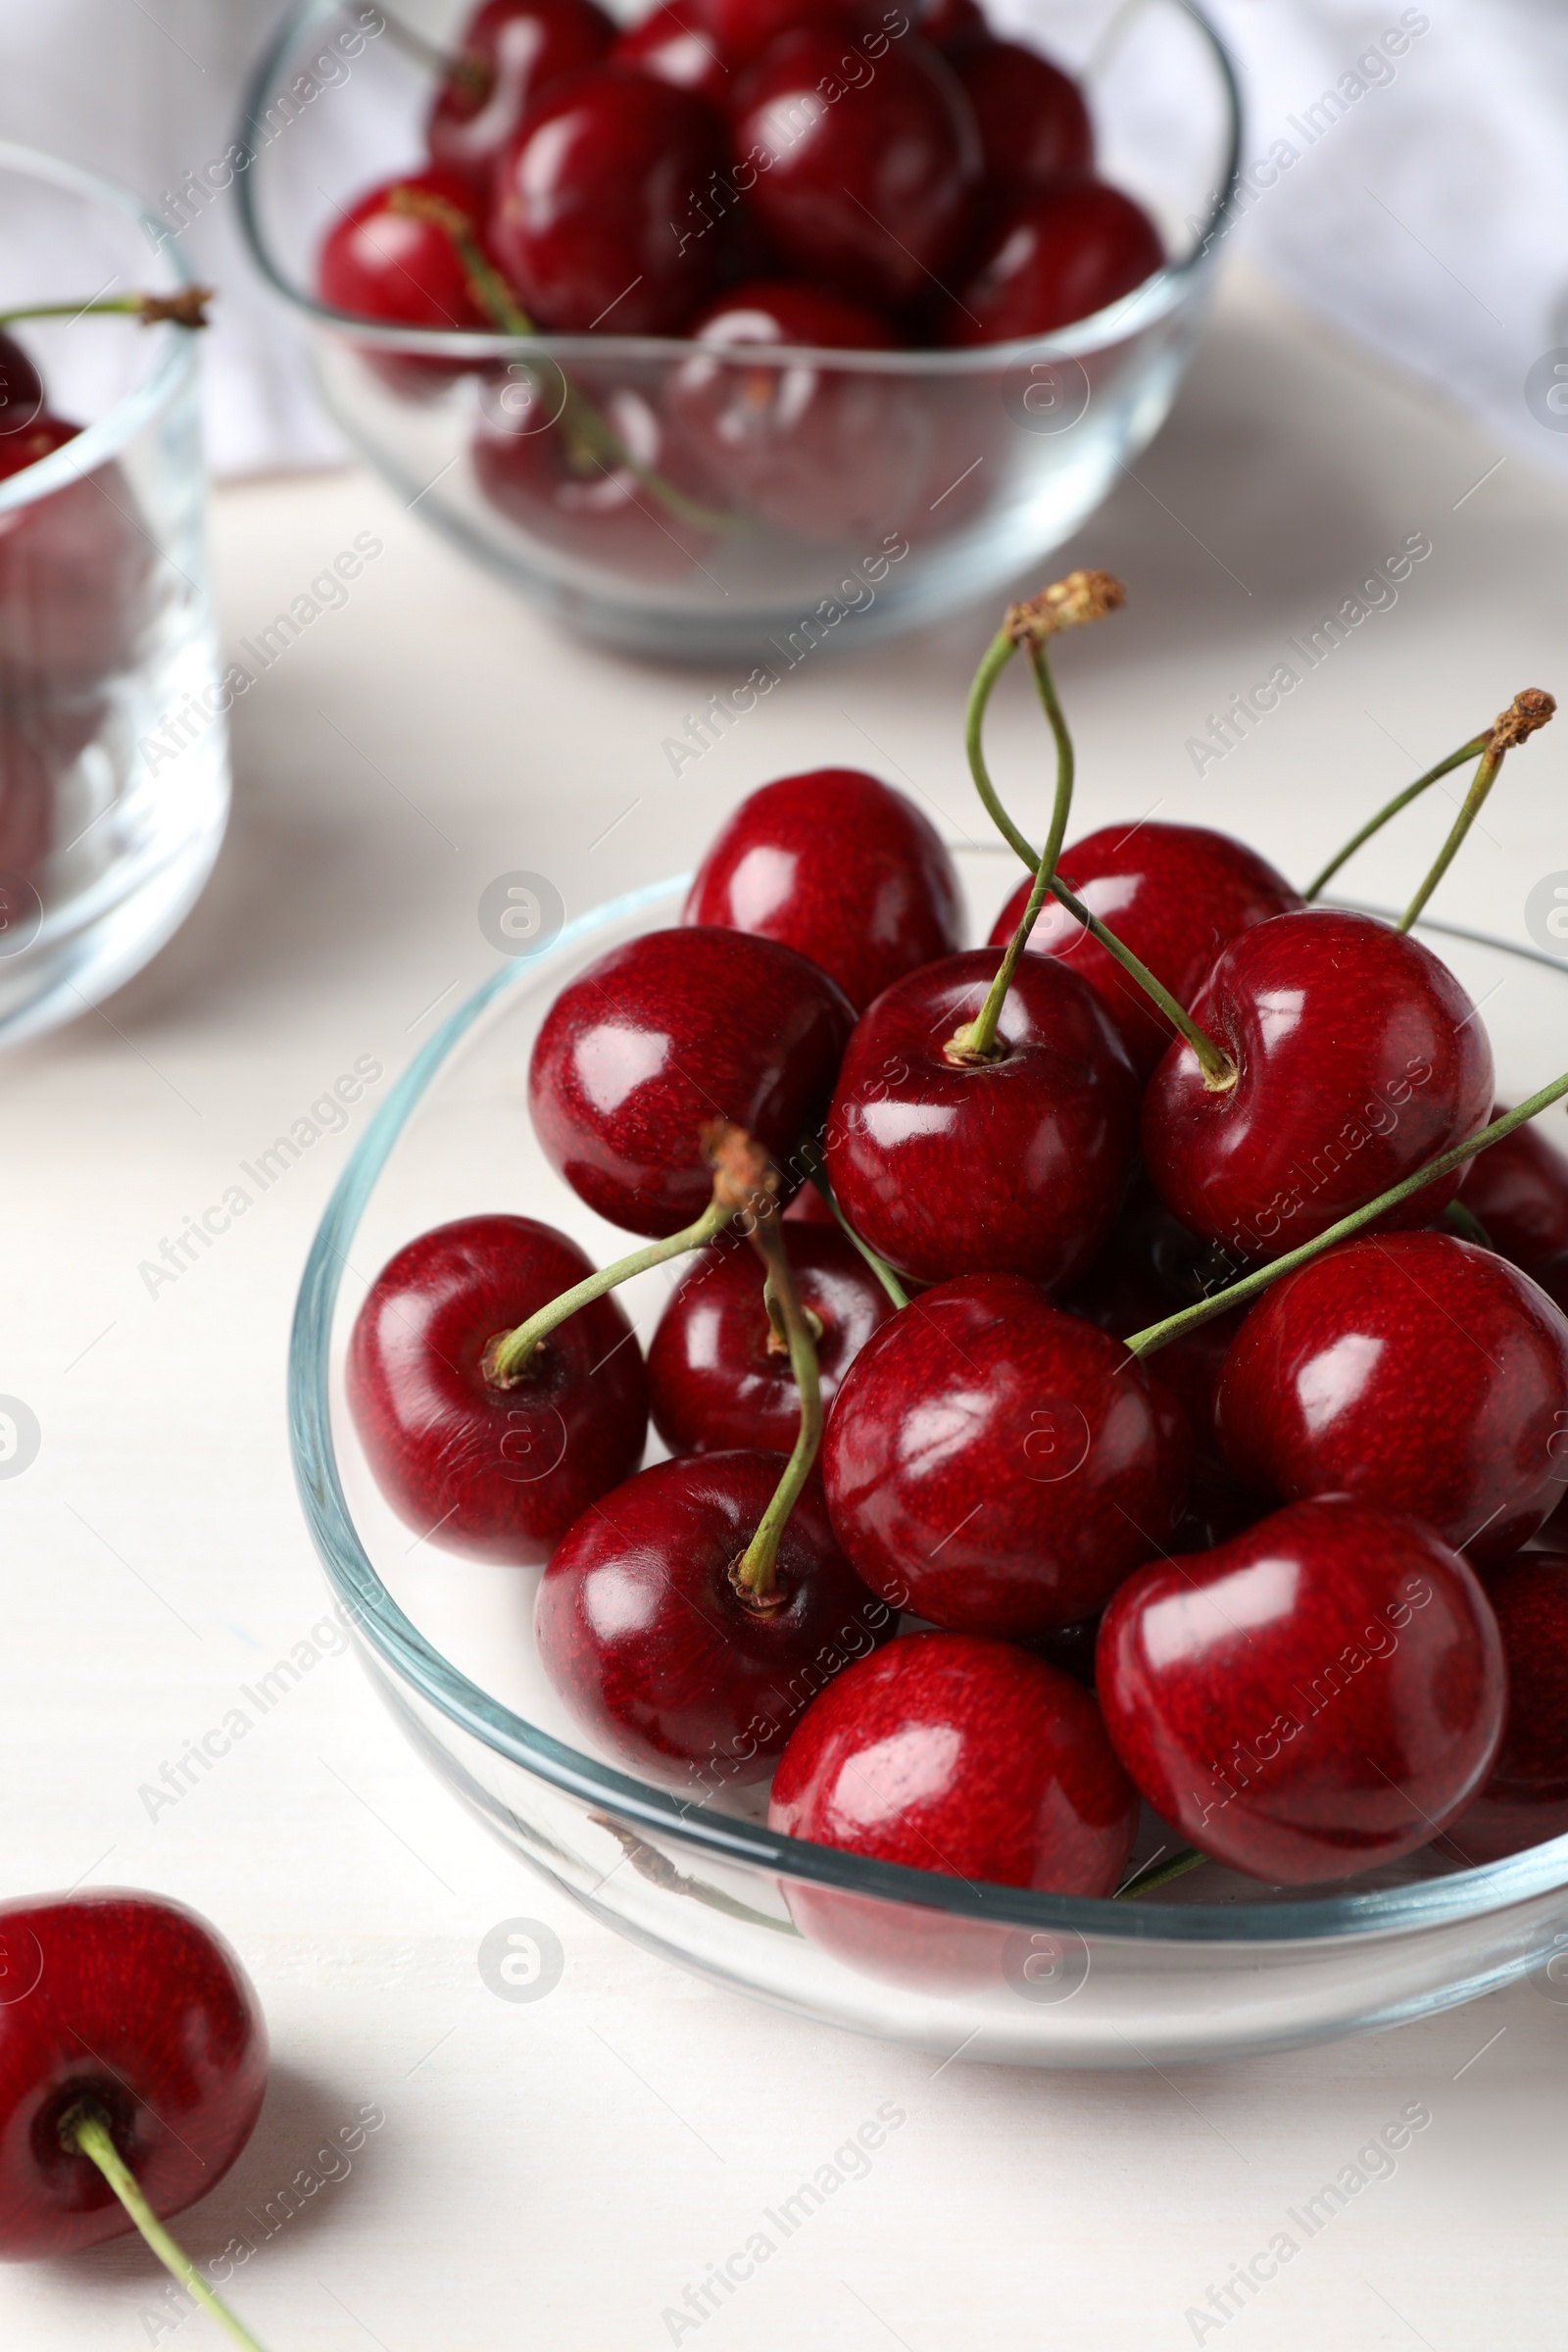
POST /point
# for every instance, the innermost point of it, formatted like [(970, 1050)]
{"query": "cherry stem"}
[(85, 2130), (778, 1337), (186, 307), (1401, 800), (816, 1171), (754, 1572), (1145, 1881), (506, 1358), (1159, 1335), (1465, 1221), (1219, 1071), (1481, 784)]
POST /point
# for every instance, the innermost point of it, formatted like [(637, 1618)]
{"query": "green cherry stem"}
[(85, 2130), (1145, 1880), (185, 308), (1159, 1335), (1401, 800), (817, 1168), (1024, 623), (1525, 714), (754, 1573), (506, 1358)]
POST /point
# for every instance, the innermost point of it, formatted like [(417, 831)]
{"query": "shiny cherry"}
[(673, 44), (1175, 895), (381, 261), (660, 1659), (496, 1473), (1034, 126), (22, 395), (507, 53), (593, 217), (1314, 1698), (717, 1378), (998, 1466), (1524, 1800), (134, 2006), (659, 1038), (839, 867), (827, 454), (1052, 257), (1518, 1188), (1016, 1166), (1416, 1372), (1359, 1058), (77, 574), (953, 1753), (861, 170), (744, 28)]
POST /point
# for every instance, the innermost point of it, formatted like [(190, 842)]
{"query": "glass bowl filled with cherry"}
[(729, 327), (1002, 1496)]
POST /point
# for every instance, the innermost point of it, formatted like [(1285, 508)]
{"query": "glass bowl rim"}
[(1461, 1895), (109, 434), (1132, 313)]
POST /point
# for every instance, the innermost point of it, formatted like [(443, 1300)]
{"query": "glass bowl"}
[(936, 478), (1210, 1966), (114, 751)]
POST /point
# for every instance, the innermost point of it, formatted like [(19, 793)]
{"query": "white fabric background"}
[(1431, 223)]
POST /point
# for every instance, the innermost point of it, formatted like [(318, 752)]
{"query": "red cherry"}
[(713, 1377), (674, 46), (826, 453), (839, 867), (998, 1466), (1417, 1373), (377, 262), (135, 2004), (21, 389), (574, 493), (658, 1655), (953, 1753), (510, 51), (1525, 1801), (1175, 895), (1034, 126), (1518, 1188), (1013, 1167), (744, 28), (662, 1037), (1152, 1267), (864, 171), (950, 24), (1315, 1698), (496, 1473), (1359, 1058), (76, 573), (1050, 257), (593, 217)]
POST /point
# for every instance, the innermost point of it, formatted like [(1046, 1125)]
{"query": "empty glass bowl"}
[(931, 478), (1210, 1966)]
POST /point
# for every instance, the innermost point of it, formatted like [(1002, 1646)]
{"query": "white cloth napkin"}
[(1417, 160)]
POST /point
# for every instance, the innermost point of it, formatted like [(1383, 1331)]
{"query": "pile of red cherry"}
[(826, 173), (1298, 1520)]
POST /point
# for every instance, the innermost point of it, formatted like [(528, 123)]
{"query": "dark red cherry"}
[(744, 28), (658, 1655), (827, 454), (1050, 257), (1416, 1372), (509, 51), (714, 1376), (594, 216), (1518, 1188), (135, 2005), (953, 1753), (952, 24), (497, 1473), (1218, 1507), (1524, 1800), (78, 570), (21, 389), (1359, 1058), (645, 1049), (589, 497), (839, 867), (1016, 1166), (1315, 1698), (379, 262), (998, 1466), (863, 173), (1034, 126), (673, 44), (1175, 895)]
